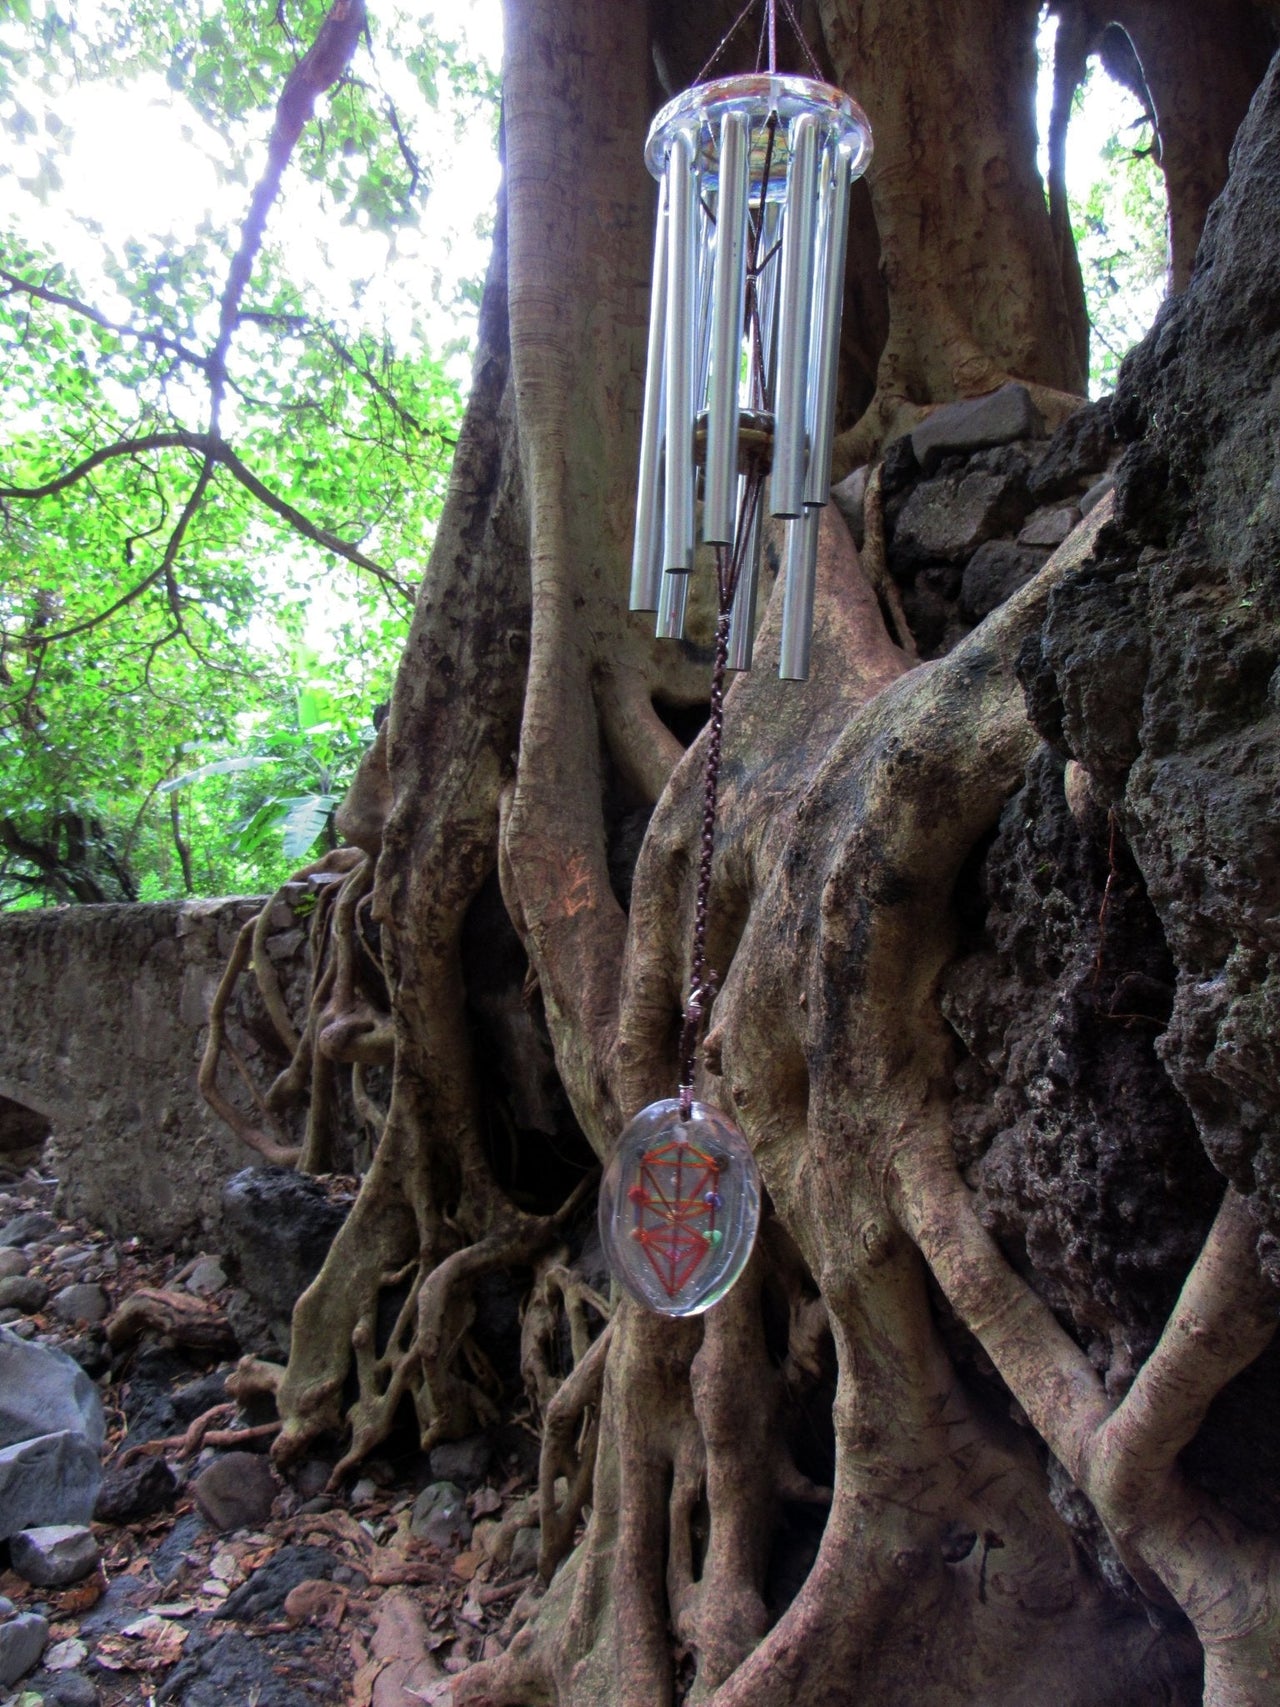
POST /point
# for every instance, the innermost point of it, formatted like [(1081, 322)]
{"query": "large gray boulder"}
[(53, 1478), (43, 1392)]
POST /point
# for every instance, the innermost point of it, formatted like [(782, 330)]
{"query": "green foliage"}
[(1119, 222), (209, 491)]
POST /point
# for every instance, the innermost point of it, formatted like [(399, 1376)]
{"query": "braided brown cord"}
[(702, 980)]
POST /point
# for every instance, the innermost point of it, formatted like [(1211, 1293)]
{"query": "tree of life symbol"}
[(675, 1202)]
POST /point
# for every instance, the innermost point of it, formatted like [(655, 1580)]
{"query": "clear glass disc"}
[(679, 1208)]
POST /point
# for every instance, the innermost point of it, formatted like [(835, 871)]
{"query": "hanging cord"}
[(702, 981), (769, 34)]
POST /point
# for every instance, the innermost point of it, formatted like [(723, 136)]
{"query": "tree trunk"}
[(998, 974)]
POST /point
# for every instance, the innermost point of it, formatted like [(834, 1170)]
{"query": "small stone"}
[(52, 1479), (138, 1490), (1096, 493), (1050, 526), (440, 1516), (23, 1292), (90, 1350), (22, 1641), (207, 1277), (83, 1301), (67, 1689), (994, 573), (848, 496), (31, 1228), (71, 1256), (109, 1261), (366, 1489), (12, 1262), (65, 1656), (266, 1591), (946, 519), (24, 1327), (463, 1461), (53, 1554), (311, 1477), (977, 423), (236, 1491)]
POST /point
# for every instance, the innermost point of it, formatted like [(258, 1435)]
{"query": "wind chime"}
[(754, 174)]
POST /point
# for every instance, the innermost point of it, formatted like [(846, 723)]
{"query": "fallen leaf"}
[(82, 1595), (466, 1565), (316, 1602), (175, 1608), (485, 1501)]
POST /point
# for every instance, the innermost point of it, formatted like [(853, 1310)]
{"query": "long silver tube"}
[(767, 296), (682, 191), (742, 618), (719, 503), (786, 497), (646, 565), (705, 243), (797, 597), (828, 301)]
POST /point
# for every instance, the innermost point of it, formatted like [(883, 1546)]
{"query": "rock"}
[(28, 1229), (54, 1554), (90, 1350), (947, 519), (1049, 526), (65, 1688), (51, 1479), (279, 1225), (170, 1558), (197, 1397), (206, 1278), (1097, 492), (234, 1668), (22, 1641), (24, 1328), (994, 572), (12, 1261), (264, 1595), (1078, 450), (136, 1491), (7, 1608), (311, 1478), (465, 1462), (23, 1292), (42, 1392), (83, 1301), (236, 1491), (848, 495), (524, 1551), (440, 1515), (65, 1656), (976, 423), (365, 1489)]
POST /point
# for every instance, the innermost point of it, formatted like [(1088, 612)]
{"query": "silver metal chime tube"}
[(786, 495), (828, 300), (778, 152), (719, 504), (797, 601), (742, 618), (646, 550), (682, 192)]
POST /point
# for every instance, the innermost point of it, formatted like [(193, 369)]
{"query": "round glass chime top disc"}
[(679, 1208)]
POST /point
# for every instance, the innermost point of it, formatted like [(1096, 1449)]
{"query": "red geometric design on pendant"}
[(676, 1202)]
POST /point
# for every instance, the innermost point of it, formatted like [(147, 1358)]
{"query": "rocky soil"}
[(173, 1565)]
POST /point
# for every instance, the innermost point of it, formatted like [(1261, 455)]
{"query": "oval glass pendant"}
[(679, 1207)]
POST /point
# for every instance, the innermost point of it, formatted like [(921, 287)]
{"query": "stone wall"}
[(102, 1023)]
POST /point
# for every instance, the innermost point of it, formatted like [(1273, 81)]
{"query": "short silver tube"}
[(673, 597), (719, 500), (828, 301), (682, 191), (646, 548), (742, 618), (786, 495), (797, 597)]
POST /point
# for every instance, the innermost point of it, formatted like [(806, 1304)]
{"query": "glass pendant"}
[(679, 1207)]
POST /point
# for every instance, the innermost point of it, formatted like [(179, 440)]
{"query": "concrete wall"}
[(102, 1023)]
